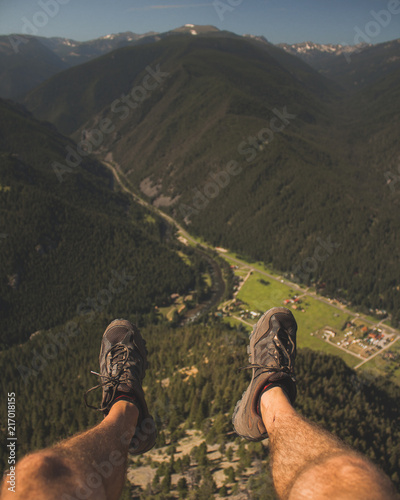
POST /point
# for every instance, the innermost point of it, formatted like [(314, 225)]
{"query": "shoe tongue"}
[(276, 325), (285, 322)]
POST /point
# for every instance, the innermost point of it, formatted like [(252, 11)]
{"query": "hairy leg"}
[(88, 466), (309, 463)]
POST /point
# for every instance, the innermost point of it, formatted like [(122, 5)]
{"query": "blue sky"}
[(291, 21)]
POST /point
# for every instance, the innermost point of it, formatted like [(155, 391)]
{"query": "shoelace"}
[(119, 356), (279, 345)]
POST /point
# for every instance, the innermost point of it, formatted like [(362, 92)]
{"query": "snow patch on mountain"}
[(312, 49), (69, 43)]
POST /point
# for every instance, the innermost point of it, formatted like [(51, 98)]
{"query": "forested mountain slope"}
[(363, 68), (196, 383), (69, 99), (74, 247), (24, 64)]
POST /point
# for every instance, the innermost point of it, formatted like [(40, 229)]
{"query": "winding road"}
[(218, 283)]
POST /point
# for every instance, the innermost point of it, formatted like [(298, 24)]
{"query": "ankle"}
[(125, 410), (273, 403)]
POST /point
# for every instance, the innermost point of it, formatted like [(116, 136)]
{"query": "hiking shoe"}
[(123, 363), (272, 353)]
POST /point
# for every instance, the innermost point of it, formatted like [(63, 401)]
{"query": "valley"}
[(325, 324), (252, 141)]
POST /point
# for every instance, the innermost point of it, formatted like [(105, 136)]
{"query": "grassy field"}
[(229, 256), (207, 279), (185, 258), (261, 293), (261, 296)]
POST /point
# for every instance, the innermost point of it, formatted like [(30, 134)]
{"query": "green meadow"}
[(261, 293)]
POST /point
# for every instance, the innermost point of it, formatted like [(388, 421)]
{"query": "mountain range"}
[(27, 60), (250, 145), (352, 67), (252, 148)]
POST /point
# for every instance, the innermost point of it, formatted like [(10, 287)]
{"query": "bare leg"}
[(88, 466), (309, 463)]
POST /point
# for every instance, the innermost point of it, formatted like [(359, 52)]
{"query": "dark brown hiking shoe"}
[(123, 363), (272, 353)]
